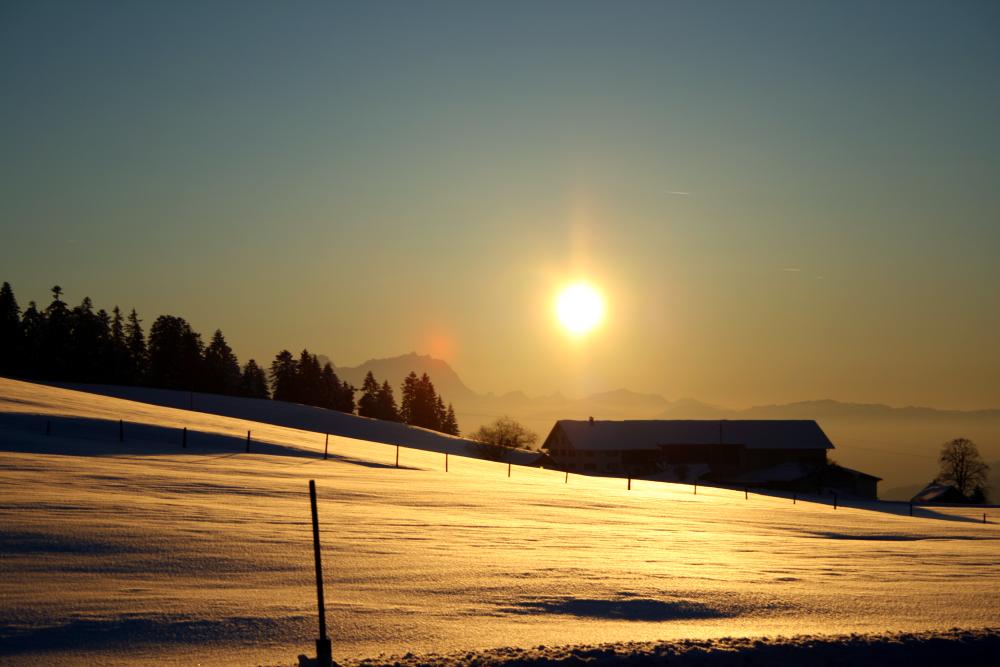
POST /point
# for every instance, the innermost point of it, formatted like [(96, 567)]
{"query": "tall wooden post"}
[(794, 498), (834, 501), (326, 447), (508, 468), (446, 461), (248, 442), (629, 483), (184, 438), (696, 488), (324, 652), (397, 456), (746, 493), (566, 481)]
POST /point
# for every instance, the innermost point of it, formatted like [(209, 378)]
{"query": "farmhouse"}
[(780, 454)]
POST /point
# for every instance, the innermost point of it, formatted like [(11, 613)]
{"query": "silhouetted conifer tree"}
[(54, 348), (283, 376), (87, 347), (253, 381), (408, 398), (135, 346), (450, 425), (368, 403), (11, 333), (175, 355), (309, 381), (222, 369), (32, 331), (386, 404), (119, 362)]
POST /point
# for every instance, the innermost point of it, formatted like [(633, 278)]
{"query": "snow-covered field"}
[(140, 551)]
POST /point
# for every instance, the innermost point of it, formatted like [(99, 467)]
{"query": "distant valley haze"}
[(899, 444)]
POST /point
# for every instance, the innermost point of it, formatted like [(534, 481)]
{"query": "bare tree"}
[(498, 439), (963, 468)]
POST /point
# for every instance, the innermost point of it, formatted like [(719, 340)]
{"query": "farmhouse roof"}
[(651, 434)]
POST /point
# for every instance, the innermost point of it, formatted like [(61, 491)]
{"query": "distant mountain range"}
[(899, 444), (645, 406)]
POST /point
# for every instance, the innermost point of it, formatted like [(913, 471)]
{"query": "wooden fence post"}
[(793, 498), (121, 430), (397, 456), (566, 481), (248, 442), (835, 500), (324, 652), (508, 468), (746, 493), (326, 447), (696, 488), (629, 483), (184, 438), (446, 461)]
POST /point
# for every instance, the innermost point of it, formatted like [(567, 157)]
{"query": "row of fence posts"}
[(326, 453)]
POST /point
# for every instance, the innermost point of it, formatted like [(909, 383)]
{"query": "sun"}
[(580, 308)]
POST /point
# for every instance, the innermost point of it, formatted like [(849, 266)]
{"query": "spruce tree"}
[(54, 348), (253, 381), (137, 367), (368, 403), (119, 361), (328, 395), (32, 331), (175, 355), (450, 425), (309, 380), (386, 404), (222, 369), (408, 398), (283, 376), (11, 334), (86, 345), (345, 397)]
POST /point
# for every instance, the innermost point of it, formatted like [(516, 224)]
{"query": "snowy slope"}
[(125, 552)]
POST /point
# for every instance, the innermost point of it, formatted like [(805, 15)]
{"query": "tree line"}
[(81, 344)]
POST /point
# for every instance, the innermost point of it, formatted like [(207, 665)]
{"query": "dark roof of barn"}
[(651, 434)]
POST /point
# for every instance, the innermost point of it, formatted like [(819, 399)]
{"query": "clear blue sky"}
[(780, 200)]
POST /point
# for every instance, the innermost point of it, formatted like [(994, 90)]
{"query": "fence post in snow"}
[(746, 493), (835, 500), (184, 438), (696, 488), (248, 442), (121, 430), (508, 468), (629, 483), (326, 447), (324, 652), (397, 456), (794, 498), (446, 461), (566, 481)]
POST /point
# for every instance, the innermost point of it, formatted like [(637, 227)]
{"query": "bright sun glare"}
[(580, 308)]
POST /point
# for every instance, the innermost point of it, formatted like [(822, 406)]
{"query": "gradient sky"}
[(781, 201)]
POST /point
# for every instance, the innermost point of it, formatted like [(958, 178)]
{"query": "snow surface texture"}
[(140, 551)]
